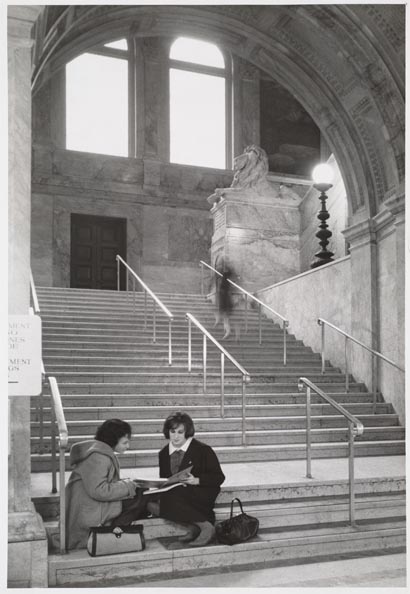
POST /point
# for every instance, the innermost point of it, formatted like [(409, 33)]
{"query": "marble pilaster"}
[(27, 549), (364, 298)]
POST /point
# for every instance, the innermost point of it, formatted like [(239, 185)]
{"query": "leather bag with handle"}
[(238, 528), (104, 540)]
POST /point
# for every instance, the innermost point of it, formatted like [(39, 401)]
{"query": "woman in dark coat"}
[(192, 503)]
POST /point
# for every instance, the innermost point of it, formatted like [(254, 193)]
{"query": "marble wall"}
[(168, 223), (322, 292)]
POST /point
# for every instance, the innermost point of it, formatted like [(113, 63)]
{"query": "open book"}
[(162, 485)]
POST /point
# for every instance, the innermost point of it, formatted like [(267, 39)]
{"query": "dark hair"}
[(179, 418), (111, 431)]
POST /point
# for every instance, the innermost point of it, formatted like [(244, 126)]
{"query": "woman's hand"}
[(191, 480)]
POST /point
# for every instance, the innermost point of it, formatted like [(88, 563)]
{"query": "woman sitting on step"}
[(192, 504), (95, 494)]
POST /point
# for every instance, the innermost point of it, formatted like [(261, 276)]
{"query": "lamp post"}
[(323, 176)]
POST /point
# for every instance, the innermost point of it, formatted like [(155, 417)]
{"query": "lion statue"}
[(251, 178), (251, 168)]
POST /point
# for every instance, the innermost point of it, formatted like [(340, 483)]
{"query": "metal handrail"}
[(34, 295), (374, 387), (57, 416), (35, 310), (246, 378), (355, 428), (260, 305), (155, 299)]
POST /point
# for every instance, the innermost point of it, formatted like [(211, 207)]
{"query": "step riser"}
[(171, 565), (48, 507), (185, 400), (167, 388), (232, 439), (157, 528), (147, 459), (154, 425)]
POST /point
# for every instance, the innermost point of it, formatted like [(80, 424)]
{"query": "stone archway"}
[(350, 86)]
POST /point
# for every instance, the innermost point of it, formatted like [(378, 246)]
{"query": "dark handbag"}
[(106, 540), (238, 528)]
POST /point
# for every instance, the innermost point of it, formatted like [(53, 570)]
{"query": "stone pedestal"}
[(257, 235)]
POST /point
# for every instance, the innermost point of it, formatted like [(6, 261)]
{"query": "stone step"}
[(174, 376), (251, 453), (78, 569), (53, 361), (308, 489), (155, 423), (280, 515), (146, 410), (177, 369), (144, 338), (231, 437), (161, 348), (193, 388)]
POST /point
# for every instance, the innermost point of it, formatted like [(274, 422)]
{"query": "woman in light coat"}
[(95, 494)]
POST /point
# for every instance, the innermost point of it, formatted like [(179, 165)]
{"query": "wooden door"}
[(95, 241)]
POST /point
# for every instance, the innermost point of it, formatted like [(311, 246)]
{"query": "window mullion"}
[(199, 68)]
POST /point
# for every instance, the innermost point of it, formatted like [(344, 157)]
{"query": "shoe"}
[(206, 536), (193, 532)]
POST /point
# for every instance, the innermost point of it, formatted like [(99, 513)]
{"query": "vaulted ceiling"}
[(344, 64)]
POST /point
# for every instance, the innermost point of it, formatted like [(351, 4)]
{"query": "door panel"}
[(95, 241)]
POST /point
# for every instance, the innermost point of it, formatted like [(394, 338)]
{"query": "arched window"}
[(97, 100), (198, 104)]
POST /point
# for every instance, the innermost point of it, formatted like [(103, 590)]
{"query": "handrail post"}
[(133, 292), (222, 385), (246, 314), (189, 345), (154, 322), (243, 410), (375, 384), (170, 341), (346, 368), (204, 361), (41, 419), (351, 475), (53, 449), (126, 282), (118, 274), (145, 309), (308, 435), (284, 343), (322, 347), (62, 501), (260, 324), (202, 278)]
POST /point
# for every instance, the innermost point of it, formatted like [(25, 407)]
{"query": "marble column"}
[(27, 544), (258, 236)]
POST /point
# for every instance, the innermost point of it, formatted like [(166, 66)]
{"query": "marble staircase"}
[(95, 344)]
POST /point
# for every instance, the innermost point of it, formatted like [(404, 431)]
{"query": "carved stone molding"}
[(246, 70)]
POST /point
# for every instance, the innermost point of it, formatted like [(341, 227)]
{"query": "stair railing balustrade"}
[(57, 417), (39, 400), (375, 383), (355, 428), (247, 295), (246, 378), (155, 302)]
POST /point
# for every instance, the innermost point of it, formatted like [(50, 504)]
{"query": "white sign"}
[(24, 355)]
